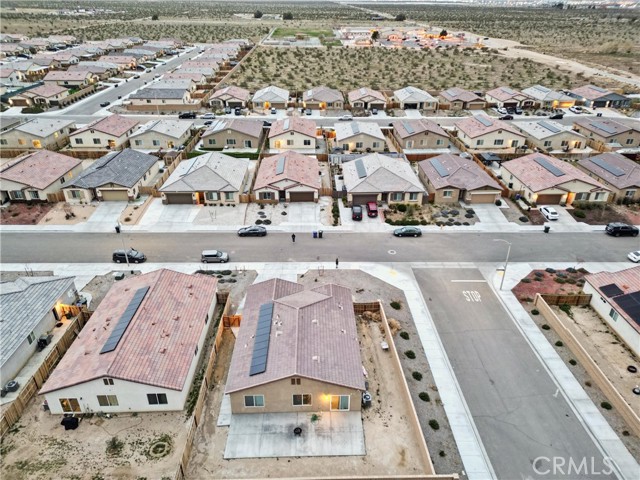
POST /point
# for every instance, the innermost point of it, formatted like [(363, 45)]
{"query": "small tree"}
[(287, 16), (401, 17), (443, 33), (155, 17), (258, 14), (375, 35)]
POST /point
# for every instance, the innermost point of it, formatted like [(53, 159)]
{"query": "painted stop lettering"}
[(471, 296)]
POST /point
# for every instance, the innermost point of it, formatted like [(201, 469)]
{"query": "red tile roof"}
[(299, 168), (473, 127), (293, 124), (462, 173), (115, 125), (39, 169), (157, 348)]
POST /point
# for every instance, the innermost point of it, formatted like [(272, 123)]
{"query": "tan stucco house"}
[(108, 133), (232, 133), (359, 136), (293, 133), (483, 133), (419, 134), (616, 172), (287, 177)]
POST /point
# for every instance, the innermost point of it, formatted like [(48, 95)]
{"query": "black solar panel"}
[(612, 169), (262, 336), (442, 171), (362, 172), (630, 304), (544, 163), (611, 290), (124, 321)]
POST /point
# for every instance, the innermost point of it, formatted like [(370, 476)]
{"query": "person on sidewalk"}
[(337, 262), (293, 237)]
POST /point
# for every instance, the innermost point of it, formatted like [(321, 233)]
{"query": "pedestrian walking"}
[(293, 237), (337, 262)]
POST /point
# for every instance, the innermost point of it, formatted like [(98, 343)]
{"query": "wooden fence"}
[(14, 410), (506, 193), (573, 300)]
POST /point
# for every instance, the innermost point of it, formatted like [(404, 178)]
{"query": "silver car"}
[(214, 256)]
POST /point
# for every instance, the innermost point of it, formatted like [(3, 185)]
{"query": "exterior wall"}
[(623, 329), (133, 192), (20, 140), (278, 397), (41, 196), (84, 195), (616, 193), (438, 195), (164, 141), (258, 105), (10, 369), (366, 140), (489, 140), (185, 100), (275, 189), (222, 102), (222, 138), (423, 140), (632, 136), (317, 105), (431, 106), (350, 197), (280, 141), (104, 140), (556, 141)]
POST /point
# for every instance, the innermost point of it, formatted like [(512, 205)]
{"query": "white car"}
[(575, 109), (210, 116), (634, 256), (502, 111), (346, 118), (549, 213)]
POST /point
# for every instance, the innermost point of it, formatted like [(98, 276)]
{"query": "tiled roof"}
[(322, 94), (252, 128), (118, 59), (170, 128), (453, 94), (410, 127), (630, 170), (23, 303), (314, 335), (384, 174), (473, 127), (46, 91), (298, 168), (541, 129), (115, 125), (538, 178), (176, 83), (504, 93), (463, 173), (365, 92), (590, 92), (211, 172), (39, 169), (232, 92), (157, 348), (412, 94), (543, 93), (43, 127), (66, 75), (345, 130), (603, 126), (124, 168), (626, 280), (293, 124), (177, 75), (155, 93), (271, 94)]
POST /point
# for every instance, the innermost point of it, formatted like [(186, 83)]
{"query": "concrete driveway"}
[(105, 217), (157, 213), (564, 217), (271, 435)]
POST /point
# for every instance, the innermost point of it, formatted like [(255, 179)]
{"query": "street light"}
[(504, 271)]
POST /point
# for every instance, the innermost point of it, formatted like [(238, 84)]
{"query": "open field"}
[(292, 31), (345, 69)]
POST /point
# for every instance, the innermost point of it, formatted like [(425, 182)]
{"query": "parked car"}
[(634, 256), (557, 116), (136, 76), (346, 118), (214, 256), (252, 231), (374, 111), (502, 111), (356, 212), (575, 109), (120, 256), (308, 111), (105, 104), (407, 232), (511, 110), (238, 111), (157, 75), (372, 209), (273, 111), (227, 110), (618, 229), (506, 117), (518, 111), (208, 122), (549, 213), (187, 115), (209, 115)]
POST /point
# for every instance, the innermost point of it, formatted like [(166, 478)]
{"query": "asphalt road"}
[(349, 247), (514, 402)]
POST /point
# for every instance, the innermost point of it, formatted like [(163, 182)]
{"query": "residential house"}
[(270, 97), (30, 69), (117, 176), (451, 179), (367, 99), (545, 180), (30, 178), (549, 99), (109, 133), (293, 133), (615, 296), (66, 59), (413, 98), (9, 76), (8, 124), (40, 133), (550, 136), (323, 98), (98, 73), (607, 134), (141, 54), (31, 307), (378, 178), (207, 179), (505, 97), (484, 133), (460, 99), (47, 95), (230, 97), (360, 136), (70, 78), (127, 61), (419, 134), (287, 177), (317, 369), (597, 97), (617, 173), (197, 78), (232, 133), (165, 97), (140, 350), (161, 134)]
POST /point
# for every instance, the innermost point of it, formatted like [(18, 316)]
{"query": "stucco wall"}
[(165, 141), (222, 138), (368, 142), (489, 140), (87, 140), (280, 141), (423, 140)]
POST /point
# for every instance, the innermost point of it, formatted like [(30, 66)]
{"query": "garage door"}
[(362, 199), (410, 106), (179, 199), (549, 199), (483, 198), (301, 196), (115, 195)]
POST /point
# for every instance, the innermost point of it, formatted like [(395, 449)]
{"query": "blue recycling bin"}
[(315, 234)]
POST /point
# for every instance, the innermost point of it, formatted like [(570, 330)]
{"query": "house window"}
[(62, 180), (307, 143), (547, 143), (78, 141), (31, 338), (422, 141), (17, 195), (295, 381), (345, 146), (409, 143), (157, 398), (613, 314), (447, 193), (34, 194), (413, 197), (600, 196), (231, 141), (376, 144), (156, 143), (107, 381), (3, 141), (107, 400), (582, 196), (247, 144), (300, 400), (629, 141), (212, 196), (564, 143), (578, 145), (195, 352), (289, 142), (212, 141), (148, 101), (228, 196), (138, 142), (359, 144), (498, 141), (75, 194), (629, 193), (254, 400), (514, 143), (440, 142), (22, 141), (397, 197), (340, 402), (96, 141), (266, 195), (69, 405), (479, 143)]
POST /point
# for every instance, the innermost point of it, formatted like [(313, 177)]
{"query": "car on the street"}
[(557, 116), (502, 111), (214, 256), (618, 229), (273, 111), (187, 115), (208, 116), (252, 231), (575, 109), (136, 76), (346, 118), (208, 122), (356, 213), (105, 104), (157, 75), (634, 256), (407, 232), (549, 213), (506, 117), (372, 209), (518, 111), (120, 256)]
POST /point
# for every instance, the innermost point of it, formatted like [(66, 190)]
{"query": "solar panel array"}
[(285, 125), (544, 163), (548, 126), (612, 169), (598, 89), (630, 304), (362, 172), (611, 290), (262, 337), (280, 166), (407, 126), (603, 127), (485, 121), (451, 92), (355, 128), (124, 321), (435, 163)]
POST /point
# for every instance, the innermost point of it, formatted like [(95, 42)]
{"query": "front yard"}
[(24, 214), (594, 214), (441, 215)]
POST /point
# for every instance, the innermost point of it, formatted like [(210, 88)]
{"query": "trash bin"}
[(547, 228), (315, 234), (117, 228), (319, 233)]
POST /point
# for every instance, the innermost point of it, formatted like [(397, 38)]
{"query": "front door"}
[(282, 195)]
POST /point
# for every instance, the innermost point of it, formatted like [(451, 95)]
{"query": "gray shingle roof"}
[(23, 303), (155, 93), (122, 168), (384, 174), (211, 172)]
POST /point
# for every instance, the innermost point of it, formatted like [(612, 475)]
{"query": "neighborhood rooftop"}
[(39, 169), (123, 168), (212, 171), (116, 125), (613, 168)]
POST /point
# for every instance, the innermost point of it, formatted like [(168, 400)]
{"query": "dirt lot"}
[(23, 214), (561, 282), (446, 215), (600, 215), (66, 214), (133, 212)]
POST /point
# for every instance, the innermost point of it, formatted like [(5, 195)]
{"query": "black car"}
[(356, 212), (187, 115), (407, 232), (120, 256), (105, 104), (238, 111), (136, 76), (252, 231), (618, 229), (557, 116), (506, 117)]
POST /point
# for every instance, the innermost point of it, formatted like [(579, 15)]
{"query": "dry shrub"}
[(394, 326)]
